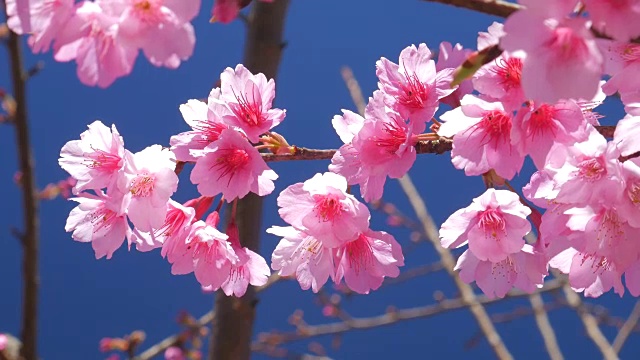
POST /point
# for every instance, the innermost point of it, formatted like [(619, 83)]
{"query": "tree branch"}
[(546, 330), (490, 7), (391, 317), (590, 324), (627, 328), (29, 237), (233, 329)]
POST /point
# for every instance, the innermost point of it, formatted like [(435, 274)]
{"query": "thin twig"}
[(590, 324), (627, 328), (546, 330), (392, 316), (29, 237), (490, 7), (354, 89), (466, 291)]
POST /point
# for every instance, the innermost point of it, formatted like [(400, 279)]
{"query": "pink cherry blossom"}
[(251, 268), (481, 134), (629, 203), (413, 87), (42, 19), (321, 207), (174, 353), (627, 135), (383, 146), (562, 58), (204, 119), (148, 182), (537, 127), (95, 159), (4, 341), (233, 167), (213, 256), (91, 37), (451, 57), (619, 19), (367, 260), (248, 99), (586, 172), (176, 227), (491, 37), (301, 255), (524, 270), (97, 220), (501, 80), (226, 11), (493, 225), (160, 28)]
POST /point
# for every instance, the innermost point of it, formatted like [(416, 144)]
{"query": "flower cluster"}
[(329, 236), (105, 36), (116, 188), (381, 144), (537, 100)]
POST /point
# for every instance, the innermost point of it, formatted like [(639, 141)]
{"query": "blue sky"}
[(83, 300)]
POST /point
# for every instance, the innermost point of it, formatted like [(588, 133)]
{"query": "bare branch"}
[(391, 317), (590, 324), (627, 328), (546, 330), (354, 89), (490, 7), (29, 235), (466, 291)]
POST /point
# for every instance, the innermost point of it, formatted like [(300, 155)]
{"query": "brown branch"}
[(466, 291), (490, 7), (29, 237), (627, 328), (354, 89), (546, 330), (233, 328), (391, 317)]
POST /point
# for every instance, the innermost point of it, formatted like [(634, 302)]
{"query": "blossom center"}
[(633, 192), (567, 45), (142, 185), (631, 52), (497, 124), (591, 170), (415, 92), (250, 112), (103, 161), (360, 254), (231, 160), (148, 11), (327, 207), (393, 138), (509, 72), (492, 222), (173, 222), (541, 120), (209, 130), (102, 219)]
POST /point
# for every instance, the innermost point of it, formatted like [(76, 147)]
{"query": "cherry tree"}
[(529, 91)]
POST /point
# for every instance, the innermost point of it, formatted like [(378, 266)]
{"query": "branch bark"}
[(490, 7), (233, 328), (29, 236)]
